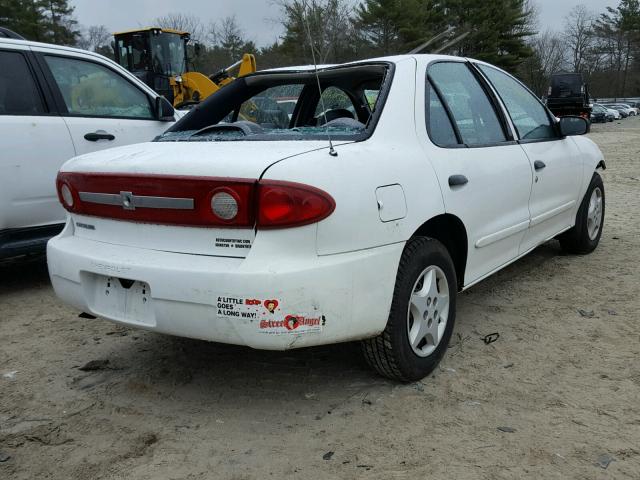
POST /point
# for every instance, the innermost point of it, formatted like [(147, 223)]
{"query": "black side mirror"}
[(164, 110), (197, 48), (573, 126)]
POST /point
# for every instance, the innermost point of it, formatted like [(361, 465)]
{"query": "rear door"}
[(555, 162), (35, 142), (101, 107), (484, 175)]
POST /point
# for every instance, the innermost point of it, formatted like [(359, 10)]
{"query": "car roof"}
[(29, 43), (78, 51), (391, 59)]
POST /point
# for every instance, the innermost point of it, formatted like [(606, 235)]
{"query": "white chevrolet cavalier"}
[(242, 225)]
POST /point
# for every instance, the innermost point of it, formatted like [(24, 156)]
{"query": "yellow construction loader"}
[(159, 57)]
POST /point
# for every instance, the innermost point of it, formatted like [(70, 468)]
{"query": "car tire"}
[(427, 275), (585, 235)]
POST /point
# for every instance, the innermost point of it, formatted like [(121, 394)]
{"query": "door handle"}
[(98, 135), (539, 165), (457, 180)]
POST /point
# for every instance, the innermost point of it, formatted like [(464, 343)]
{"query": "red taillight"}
[(195, 201), (163, 199), (287, 204)]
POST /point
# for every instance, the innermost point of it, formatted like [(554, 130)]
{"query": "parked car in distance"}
[(600, 114), (56, 103), (613, 112), (632, 110), (625, 111), (335, 227)]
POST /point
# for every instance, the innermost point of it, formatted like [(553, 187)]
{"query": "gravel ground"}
[(557, 396)]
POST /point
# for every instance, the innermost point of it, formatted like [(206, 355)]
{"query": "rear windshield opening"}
[(287, 105)]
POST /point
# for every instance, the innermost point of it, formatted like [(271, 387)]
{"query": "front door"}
[(555, 162), (103, 109)]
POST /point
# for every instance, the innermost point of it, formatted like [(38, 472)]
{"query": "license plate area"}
[(121, 299)]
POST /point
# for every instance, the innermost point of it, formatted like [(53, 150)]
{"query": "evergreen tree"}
[(41, 20), (23, 17), (619, 34), (397, 26), (498, 30), (58, 22)]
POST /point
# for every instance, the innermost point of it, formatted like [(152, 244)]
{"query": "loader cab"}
[(153, 55)]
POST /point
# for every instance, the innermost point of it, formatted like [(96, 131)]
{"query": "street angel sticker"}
[(269, 315)]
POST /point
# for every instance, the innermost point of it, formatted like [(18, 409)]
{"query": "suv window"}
[(527, 113), (19, 94), (89, 89), (473, 112), (439, 126)]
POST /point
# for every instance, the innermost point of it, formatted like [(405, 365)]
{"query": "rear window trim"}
[(370, 128)]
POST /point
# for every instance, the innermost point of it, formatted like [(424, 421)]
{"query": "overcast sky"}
[(256, 17)]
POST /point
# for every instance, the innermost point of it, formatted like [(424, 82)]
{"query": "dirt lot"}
[(563, 377)]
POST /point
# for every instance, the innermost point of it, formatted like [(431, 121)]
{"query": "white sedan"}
[(361, 217)]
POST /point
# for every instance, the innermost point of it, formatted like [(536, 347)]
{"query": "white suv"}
[(57, 103)]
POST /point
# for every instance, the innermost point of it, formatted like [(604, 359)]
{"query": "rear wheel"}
[(422, 315), (584, 237)]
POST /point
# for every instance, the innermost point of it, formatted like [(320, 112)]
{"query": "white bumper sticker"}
[(269, 315)]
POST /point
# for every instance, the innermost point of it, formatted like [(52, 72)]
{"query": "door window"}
[(89, 89), (439, 126), (527, 113), (19, 94), (473, 112), (335, 101)]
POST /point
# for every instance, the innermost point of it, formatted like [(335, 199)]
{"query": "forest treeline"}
[(603, 45)]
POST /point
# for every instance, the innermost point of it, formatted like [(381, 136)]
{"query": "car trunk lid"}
[(159, 195)]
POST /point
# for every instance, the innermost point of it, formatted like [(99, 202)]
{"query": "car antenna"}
[(305, 19)]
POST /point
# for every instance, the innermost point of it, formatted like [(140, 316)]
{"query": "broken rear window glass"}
[(286, 105)]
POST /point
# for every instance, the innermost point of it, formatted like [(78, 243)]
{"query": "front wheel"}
[(423, 312), (584, 237)]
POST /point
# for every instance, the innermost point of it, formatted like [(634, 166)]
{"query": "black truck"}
[(569, 95)]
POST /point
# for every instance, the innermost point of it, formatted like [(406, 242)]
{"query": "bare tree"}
[(94, 37), (579, 36), (183, 22), (329, 23), (227, 35), (548, 58), (549, 46)]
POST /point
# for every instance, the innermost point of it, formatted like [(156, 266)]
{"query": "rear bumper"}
[(322, 299)]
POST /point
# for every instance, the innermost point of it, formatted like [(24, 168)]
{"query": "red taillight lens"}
[(287, 204), (162, 199), (194, 201)]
